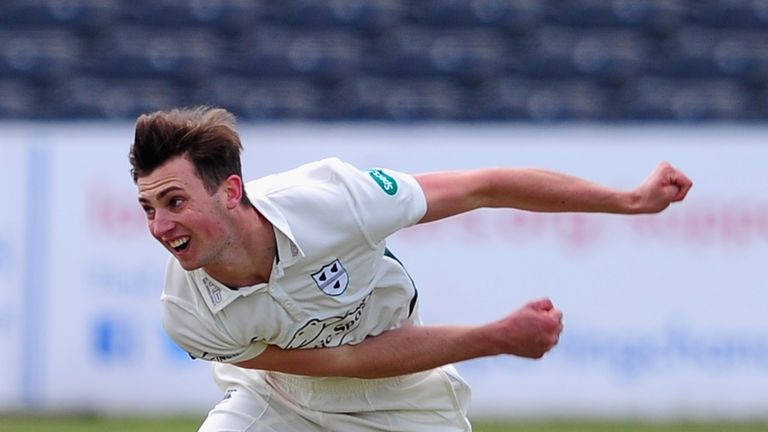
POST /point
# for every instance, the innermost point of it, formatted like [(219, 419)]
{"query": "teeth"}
[(179, 242)]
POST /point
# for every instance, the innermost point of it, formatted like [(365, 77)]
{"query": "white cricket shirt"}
[(333, 281)]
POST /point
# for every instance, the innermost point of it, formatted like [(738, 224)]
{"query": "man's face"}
[(182, 215)]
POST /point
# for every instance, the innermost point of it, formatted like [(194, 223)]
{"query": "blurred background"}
[(394, 60), (665, 314)]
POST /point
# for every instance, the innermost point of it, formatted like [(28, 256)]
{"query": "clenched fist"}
[(665, 185), (530, 331)]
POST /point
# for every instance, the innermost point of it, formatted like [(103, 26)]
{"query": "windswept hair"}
[(204, 135)]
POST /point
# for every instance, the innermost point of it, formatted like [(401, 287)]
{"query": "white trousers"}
[(431, 401)]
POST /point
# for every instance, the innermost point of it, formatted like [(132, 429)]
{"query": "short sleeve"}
[(201, 341), (384, 200)]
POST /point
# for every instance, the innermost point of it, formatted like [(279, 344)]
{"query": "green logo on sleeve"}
[(387, 183)]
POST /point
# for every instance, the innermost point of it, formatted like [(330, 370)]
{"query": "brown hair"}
[(206, 136)]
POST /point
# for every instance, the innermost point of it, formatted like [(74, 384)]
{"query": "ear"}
[(233, 189)]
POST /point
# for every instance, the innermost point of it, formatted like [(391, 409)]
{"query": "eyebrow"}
[(162, 193)]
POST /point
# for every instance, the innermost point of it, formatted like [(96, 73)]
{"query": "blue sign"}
[(114, 339)]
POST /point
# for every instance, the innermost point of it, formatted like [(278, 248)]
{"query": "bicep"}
[(450, 193)]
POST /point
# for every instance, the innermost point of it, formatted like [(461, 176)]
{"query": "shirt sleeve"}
[(384, 200), (189, 323), (201, 342)]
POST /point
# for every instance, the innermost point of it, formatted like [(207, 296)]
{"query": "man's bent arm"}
[(453, 192), (529, 332)]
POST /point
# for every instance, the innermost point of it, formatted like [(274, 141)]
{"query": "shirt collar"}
[(288, 249), (216, 295)]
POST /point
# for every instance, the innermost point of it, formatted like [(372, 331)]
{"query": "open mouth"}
[(180, 244)]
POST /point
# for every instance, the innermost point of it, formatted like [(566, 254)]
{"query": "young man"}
[(286, 284)]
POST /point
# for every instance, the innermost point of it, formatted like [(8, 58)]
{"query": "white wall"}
[(665, 315)]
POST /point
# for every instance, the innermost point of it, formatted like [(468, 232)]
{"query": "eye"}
[(149, 212), (175, 202)]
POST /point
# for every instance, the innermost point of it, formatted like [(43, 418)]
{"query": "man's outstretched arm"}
[(528, 332), (452, 192)]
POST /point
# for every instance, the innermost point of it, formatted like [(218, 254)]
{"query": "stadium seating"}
[(18, 99), (495, 60), (600, 54), (522, 99), (515, 16), (226, 16), (458, 53), (372, 98), (731, 13), (653, 98), (650, 15), (38, 55), (110, 98), (74, 14), (266, 98), (371, 16), (316, 54), (135, 52)]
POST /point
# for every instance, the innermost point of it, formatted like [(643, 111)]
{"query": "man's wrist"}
[(630, 202)]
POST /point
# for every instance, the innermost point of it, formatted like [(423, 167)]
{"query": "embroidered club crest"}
[(332, 278)]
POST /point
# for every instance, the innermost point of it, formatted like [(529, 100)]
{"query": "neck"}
[(249, 259)]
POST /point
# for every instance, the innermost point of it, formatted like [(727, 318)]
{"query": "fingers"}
[(556, 314), (550, 331), (543, 304), (532, 330), (684, 184), (546, 305), (557, 317), (675, 178)]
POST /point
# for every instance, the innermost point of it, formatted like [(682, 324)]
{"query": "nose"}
[(161, 224)]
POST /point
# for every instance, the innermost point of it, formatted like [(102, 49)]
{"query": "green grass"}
[(585, 426), (101, 424), (94, 424)]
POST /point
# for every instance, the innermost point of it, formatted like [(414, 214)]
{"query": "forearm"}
[(529, 332), (452, 193), (548, 191), (417, 348), (396, 352)]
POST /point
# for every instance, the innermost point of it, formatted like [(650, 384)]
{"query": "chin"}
[(188, 265)]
